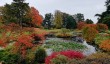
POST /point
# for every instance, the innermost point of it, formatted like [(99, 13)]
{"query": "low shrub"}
[(80, 25), (91, 26), (8, 58), (40, 55), (60, 59), (69, 54), (97, 58), (89, 33), (105, 45), (37, 38), (102, 27), (64, 33), (99, 39), (2, 43)]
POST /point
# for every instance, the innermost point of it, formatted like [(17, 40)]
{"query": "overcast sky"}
[(87, 7)]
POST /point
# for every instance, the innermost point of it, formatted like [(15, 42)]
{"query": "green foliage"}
[(58, 21), (65, 16), (60, 59), (64, 33), (48, 21), (99, 38), (59, 46), (71, 24), (16, 12), (89, 21), (40, 55), (105, 16), (79, 17), (8, 58), (106, 20)]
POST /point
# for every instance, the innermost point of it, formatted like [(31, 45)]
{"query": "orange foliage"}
[(105, 45), (40, 31), (80, 25), (89, 33), (36, 17)]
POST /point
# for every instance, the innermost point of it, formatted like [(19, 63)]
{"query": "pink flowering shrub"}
[(69, 54)]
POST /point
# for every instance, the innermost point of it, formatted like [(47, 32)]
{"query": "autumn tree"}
[(89, 33), (36, 17), (58, 21)]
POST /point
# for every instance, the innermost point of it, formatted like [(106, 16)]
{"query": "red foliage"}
[(23, 43), (102, 27), (70, 54), (36, 17), (39, 34), (80, 25), (2, 44), (12, 27), (91, 25)]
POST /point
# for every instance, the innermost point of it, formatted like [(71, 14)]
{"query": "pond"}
[(87, 51), (90, 49)]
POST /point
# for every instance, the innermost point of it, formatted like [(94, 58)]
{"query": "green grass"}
[(59, 46)]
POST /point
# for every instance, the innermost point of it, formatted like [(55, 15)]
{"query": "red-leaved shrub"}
[(102, 27), (91, 25), (80, 25), (2, 44), (70, 54), (23, 43)]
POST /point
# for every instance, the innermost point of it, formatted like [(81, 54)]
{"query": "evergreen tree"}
[(16, 12), (105, 16), (78, 17), (48, 20), (71, 23), (65, 15), (89, 21)]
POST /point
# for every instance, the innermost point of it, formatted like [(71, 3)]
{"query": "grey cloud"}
[(88, 7)]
